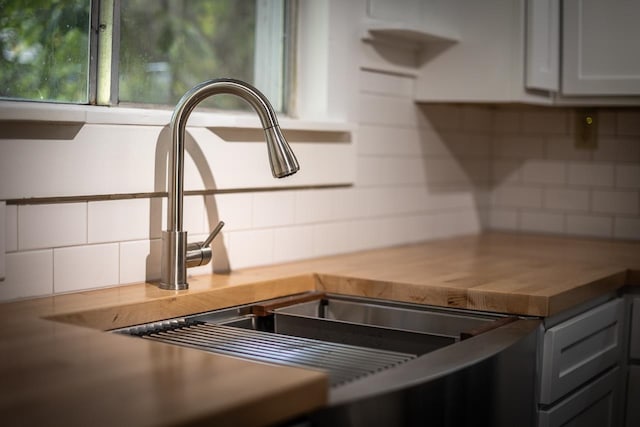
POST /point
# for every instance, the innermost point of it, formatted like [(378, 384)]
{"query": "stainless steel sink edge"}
[(443, 362)]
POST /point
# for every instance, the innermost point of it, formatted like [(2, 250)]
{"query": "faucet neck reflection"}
[(177, 255)]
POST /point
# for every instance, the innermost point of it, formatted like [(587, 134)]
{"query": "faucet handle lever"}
[(199, 253), (213, 234)]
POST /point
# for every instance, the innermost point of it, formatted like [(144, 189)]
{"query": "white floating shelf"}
[(402, 32)]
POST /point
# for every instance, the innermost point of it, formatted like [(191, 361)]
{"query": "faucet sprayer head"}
[(283, 161)]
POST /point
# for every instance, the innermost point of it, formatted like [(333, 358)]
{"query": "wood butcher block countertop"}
[(58, 367)]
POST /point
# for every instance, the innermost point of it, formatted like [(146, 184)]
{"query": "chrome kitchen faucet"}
[(177, 254)]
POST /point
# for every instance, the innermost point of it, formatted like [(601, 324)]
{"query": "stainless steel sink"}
[(373, 351), (366, 322)]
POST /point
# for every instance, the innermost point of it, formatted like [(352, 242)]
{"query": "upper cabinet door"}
[(601, 47), (543, 41)]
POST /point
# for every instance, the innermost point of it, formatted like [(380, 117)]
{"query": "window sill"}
[(22, 111)]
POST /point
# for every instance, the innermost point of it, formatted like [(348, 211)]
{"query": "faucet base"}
[(173, 265)]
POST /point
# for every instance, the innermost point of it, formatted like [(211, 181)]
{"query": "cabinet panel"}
[(594, 405), (634, 339), (633, 396), (601, 42), (579, 349), (543, 40)]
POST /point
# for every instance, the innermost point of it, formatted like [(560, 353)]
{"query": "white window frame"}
[(321, 97)]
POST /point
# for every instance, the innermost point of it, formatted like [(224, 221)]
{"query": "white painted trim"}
[(88, 114)]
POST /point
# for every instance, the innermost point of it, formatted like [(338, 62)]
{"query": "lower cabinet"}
[(580, 376), (594, 405), (633, 374), (633, 396)]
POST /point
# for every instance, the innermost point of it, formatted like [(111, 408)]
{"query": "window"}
[(44, 50), (142, 51)]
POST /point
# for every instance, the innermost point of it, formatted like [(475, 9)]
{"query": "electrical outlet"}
[(586, 129)]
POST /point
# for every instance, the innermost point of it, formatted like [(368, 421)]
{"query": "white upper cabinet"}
[(485, 62), (565, 52), (601, 47), (543, 45)]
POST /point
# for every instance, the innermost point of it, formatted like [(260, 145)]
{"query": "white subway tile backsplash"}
[(587, 225), (477, 119), (454, 223), (50, 226), (545, 122), (442, 116), (331, 238), (11, 228), (519, 147), (616, 202), (372, 171), (507, 121), (566, 199), (28, 274), (436, 143), (606, 122), (621, 150), (627, 228), (627, 123), (418, 227), (118, 220), (543, 222), (564, 148), (628, 176), (316, 206), (363, 234), (140, 261), (235, 209), (388, 111), (293, 243), (85, 267), (388, 141), (194, 216), (506, 171), (251, 248), (445, 171), (452, 200), (410, 199), (516, 196), (543, 172), (386, 84), (503, 219), (463, 145), (591, 174), (628, 150), (271, 209), (350, 203)]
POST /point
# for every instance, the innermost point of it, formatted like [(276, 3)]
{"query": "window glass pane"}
[(166, 47), (44, 49)]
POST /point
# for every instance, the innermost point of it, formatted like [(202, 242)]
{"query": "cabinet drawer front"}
[(579, 349), (594, 405)]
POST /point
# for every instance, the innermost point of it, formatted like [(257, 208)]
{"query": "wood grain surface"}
[(58, 367)]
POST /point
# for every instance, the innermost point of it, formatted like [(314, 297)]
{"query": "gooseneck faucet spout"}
[(177, 255)]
